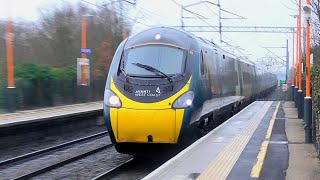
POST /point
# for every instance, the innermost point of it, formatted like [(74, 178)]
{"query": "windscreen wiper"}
[(154, 70), (124, 73)]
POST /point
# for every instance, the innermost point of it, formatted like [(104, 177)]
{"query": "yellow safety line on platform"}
[(223, 164), (256, 169)]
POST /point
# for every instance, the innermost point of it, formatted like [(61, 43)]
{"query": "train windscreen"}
[(169, 60)]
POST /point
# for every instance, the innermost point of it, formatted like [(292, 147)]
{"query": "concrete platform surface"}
[(303, 161), (214, 155), (263, 141), (31, 116)]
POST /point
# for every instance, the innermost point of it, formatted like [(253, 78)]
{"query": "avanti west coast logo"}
[(148, 93)]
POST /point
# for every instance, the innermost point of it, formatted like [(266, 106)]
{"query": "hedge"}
[(315, 80), (43, 86)]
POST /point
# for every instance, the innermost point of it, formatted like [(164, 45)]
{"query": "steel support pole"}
[(292, 69), (11, 89), (300, 96), (300, 104), (300, 99), (287, 60), (181, 18), (292, 92), (308, 98), (83, 45), (220, 23), (84, 89), (308, 119), (297, 65), (296, 96)]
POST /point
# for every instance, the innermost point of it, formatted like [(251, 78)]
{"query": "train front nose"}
[(136, 122), (132, 121), (147, 125)]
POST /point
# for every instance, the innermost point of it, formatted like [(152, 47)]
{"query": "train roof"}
[(161, 35), (179, 37)]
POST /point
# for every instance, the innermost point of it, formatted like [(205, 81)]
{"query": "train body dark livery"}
[(163, 81)]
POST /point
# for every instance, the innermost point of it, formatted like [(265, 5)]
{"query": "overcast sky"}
[(167, 13)]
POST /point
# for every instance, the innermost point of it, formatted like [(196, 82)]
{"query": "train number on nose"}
[(158, 90)]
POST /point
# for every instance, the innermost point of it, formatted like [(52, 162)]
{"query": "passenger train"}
[(164, 81)]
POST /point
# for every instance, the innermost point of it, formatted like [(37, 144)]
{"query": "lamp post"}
[(10, 67), (293, 75), (84, 45), (299, 94), (292, 68), (296, 66), (84, 73), (308, 98)]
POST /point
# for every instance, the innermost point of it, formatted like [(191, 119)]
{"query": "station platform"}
[(256, 143), (46, 114)]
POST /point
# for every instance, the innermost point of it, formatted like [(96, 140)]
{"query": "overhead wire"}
[(217, 29), (231, 23), (134, 20), (153, 13), (199, 16), (196, 14), (213, 28), (146, 11)]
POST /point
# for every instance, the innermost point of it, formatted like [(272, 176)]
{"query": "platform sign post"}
[(83, 67), (284, 87), (85, 51)]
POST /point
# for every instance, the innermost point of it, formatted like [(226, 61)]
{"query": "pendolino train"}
[(164, 81)]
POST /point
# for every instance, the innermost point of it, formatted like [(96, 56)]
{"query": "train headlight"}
[(111, 99), (184, 101)]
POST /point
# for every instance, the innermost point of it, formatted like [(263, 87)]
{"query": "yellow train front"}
[(152, 83), (147, 89)]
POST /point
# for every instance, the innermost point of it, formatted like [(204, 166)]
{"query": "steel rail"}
[(61, 163), (114, 170), (52, 148)]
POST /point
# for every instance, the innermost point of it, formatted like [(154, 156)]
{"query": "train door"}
[(204, 73), (240, 78), (237, 74), (216, 86), (255, 85), (249, 80)]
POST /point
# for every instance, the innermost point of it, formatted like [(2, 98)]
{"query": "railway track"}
[(50, 149), (110, 173), (30, 159), (61, 163)]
